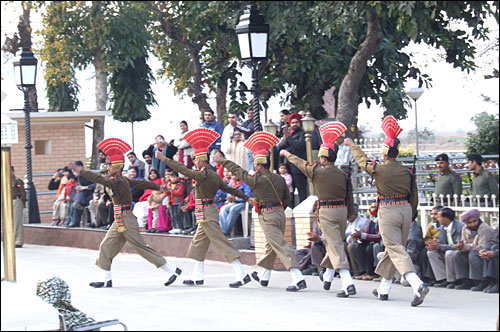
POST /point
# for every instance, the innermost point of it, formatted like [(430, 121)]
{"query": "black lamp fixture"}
[(25, 69), (253, 37)]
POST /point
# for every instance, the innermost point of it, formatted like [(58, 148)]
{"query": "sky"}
[(448, 105)]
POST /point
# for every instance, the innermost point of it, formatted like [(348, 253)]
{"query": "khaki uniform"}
[(18, 204), (392, 179), (269, 188), (484, 183), (114, 240), (448, 183), (207, 185), (330, 184)]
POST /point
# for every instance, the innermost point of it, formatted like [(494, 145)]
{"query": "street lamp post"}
[(271, 128), (414, 94), (253, 36), (25, 74), (308, 125)]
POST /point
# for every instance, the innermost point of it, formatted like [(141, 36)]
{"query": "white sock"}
[(414, 280), (239, 270), (328, 275), (266, 275), (199, 269), (346, 278), (296, 275), (106, 275), (385, 286), (169, 268)]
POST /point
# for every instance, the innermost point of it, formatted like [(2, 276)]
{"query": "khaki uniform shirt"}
[(18, 189), (391, 178), (207, 181), (120, 186), (329, 182), (484, 183), (448, 183), (266, 187)]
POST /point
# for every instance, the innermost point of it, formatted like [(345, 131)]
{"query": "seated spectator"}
[(176, 195), (101, 206), (219, 169), (69, 195), (475, 236), (414, 245), (367, 236), (141, 208), (431, 236), (156, 200), (226, 176), (237, 152), (354, 223), (141, 165), (59, 209), (310, 257), (55, 181), (133, 173), (84, 193), (148, 160), (284, 171), (489, 255), (231, 210), (440, 252), (187, 210)]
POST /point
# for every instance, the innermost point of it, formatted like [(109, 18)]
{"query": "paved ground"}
[(140, 300)]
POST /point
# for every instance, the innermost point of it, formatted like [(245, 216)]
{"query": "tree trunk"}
[(24, 28), (101, 97), (220, 98), (199, 98), (348, 99)]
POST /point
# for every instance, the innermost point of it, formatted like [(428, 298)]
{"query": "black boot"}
[(351, 290), (100, 284), (255, 277), (295, 288), (238, 283), (173, 277)]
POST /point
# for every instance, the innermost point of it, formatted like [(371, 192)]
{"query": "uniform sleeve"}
[(457, 185), (301, 164), (105, 181), (239, 172), (181, 168), (362, 159), (143, 184), (232, 191)]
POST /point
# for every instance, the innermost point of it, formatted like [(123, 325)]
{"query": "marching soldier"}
[(398, 201), (448, 182), (335, 204), (206, 213), (271, 198), (125, 227)]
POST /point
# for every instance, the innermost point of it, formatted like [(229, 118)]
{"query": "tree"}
[(484, 140), (21, 40)]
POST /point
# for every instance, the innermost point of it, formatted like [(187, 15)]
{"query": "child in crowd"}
[(187, 210), (176, 198), (69, 194), (284, 170)]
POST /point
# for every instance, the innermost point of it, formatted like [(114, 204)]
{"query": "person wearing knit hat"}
[(125, 227), (476, 235), (483, 182), (271, 197), (397, 198), (335, 203), (206, 213), (448, 182)]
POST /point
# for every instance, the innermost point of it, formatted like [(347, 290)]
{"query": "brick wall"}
[(302, 226), (67, 143)]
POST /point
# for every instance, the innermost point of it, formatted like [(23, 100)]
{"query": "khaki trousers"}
[(17, 212), (333, 223), (394, 222), (114, 241), (273, 224), (210, 231)]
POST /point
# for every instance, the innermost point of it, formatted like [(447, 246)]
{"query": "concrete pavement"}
[(139, 299)]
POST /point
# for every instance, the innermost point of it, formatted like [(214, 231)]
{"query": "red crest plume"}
[(201, 138), (114, 146), (391, 129), (331, 131), (261, 141)]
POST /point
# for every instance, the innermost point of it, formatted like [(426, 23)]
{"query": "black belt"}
[(125, 207), (269, 205), (394, 200), (323, 203), (206, 202)]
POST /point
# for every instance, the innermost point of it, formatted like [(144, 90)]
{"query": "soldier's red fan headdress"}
[(114, 148), (391, 129), (329, 133), (260, 143), (200, 139)]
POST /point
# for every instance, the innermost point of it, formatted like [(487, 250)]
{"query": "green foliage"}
[(484, 140)]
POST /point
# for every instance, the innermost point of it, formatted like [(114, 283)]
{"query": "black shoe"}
[(481, 287), (418, 299), (173, 277), (381, 297), (327, 285), (100, 284), (72, 225), (493, 289), (255, 277), (300, 285), (430, 283), (18, 245), (452, 285), (90, 225), (238, 283), (441, 283), (466, 284), (351, 290), (192, 283), (321, 273)]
